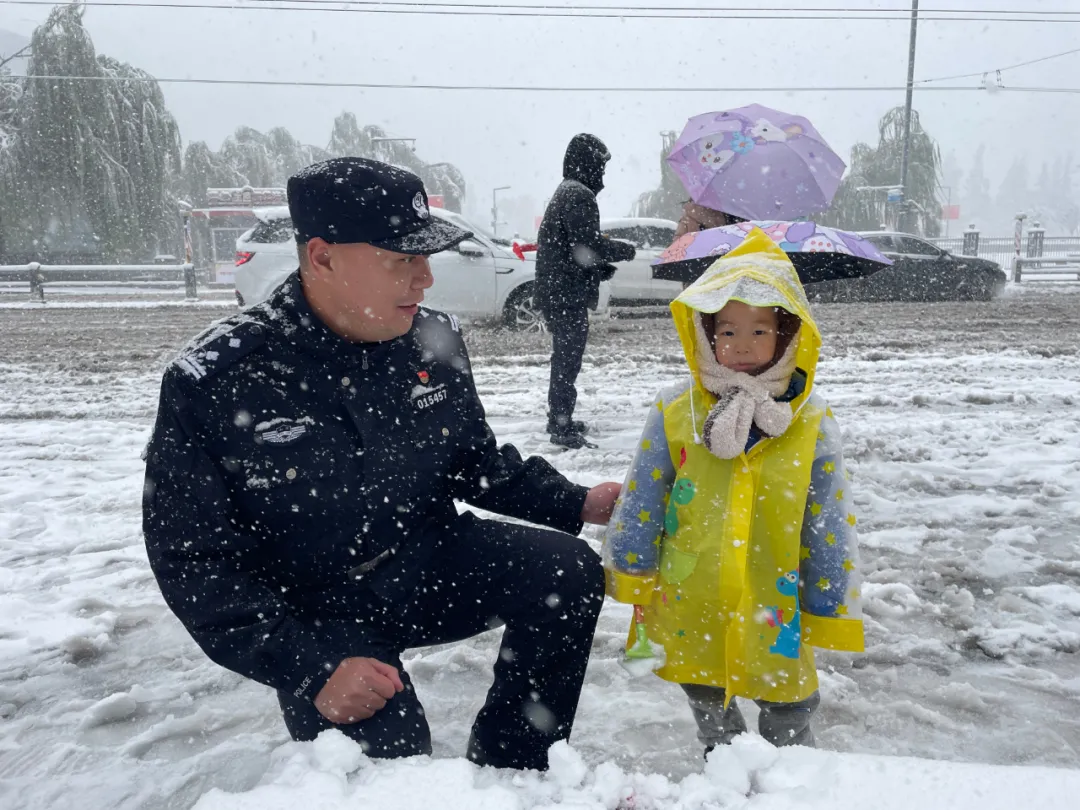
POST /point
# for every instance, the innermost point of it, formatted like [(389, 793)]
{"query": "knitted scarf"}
[(743, 399)]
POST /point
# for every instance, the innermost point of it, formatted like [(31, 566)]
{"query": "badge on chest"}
[(281, 431), (427, 394)]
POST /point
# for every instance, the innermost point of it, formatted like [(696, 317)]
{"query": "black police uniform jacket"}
[(292, 474), (572, 254)]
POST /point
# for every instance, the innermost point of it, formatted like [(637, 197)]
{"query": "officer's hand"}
[(358, 688), (600, 502)]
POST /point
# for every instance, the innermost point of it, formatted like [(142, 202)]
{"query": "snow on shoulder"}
[(331, 773), (637, 222), (226, 341)]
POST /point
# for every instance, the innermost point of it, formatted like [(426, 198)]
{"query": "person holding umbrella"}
[(726, 160), (757, 166), (697, 218), (755, 163)]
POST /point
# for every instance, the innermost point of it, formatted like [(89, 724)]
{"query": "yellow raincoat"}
[(740, 564)]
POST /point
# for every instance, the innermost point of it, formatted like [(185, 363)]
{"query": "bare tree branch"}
[(23, 51)]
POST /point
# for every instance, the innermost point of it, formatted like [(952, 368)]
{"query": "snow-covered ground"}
[(962, 426)]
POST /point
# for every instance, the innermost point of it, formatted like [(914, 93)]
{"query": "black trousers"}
[(569, 334), (545, 586)]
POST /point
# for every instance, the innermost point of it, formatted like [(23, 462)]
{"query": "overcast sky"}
[(517, 139)]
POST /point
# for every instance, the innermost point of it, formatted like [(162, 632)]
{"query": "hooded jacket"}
[(741, 564), (571, 252)]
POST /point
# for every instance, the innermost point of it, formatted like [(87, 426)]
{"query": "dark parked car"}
[(921, 271)]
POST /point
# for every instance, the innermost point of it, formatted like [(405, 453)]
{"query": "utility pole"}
[(410, 141), (948, 207), (495, 209), (905, 217)]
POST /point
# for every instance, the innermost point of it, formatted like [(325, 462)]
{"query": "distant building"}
[(229, 213)]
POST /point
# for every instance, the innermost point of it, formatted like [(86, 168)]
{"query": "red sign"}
[(436, 201), (950, 212), (520, 249)]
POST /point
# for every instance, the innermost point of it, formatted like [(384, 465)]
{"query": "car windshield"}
[(461, 222), (281, 229), (880, 240), (916, 247), (271, 231)]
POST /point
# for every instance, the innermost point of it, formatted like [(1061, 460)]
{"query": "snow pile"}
[(332, 773), (967, 487)]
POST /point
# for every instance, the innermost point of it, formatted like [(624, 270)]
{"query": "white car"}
[(633, 283), (480, 278)]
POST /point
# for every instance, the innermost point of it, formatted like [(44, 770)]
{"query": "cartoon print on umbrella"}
[(819, 253), (796, 234)]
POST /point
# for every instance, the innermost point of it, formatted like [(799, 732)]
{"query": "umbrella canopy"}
[(756, 163), (818, 253)]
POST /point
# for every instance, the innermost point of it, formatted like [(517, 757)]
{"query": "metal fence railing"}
[(1047, 268), (1002, 249), (37, 276)]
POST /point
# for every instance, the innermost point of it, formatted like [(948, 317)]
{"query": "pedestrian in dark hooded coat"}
[(572, 259)]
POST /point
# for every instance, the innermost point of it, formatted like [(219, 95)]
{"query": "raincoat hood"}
[(585, 161), (757, 273)]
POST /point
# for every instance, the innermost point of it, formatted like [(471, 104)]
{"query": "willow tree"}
[(290, 155), (246, 158), (348, 138), (862, 200), (246, 152), (665, 201), (203, 169), (11, 88), (93, 165), (447, 181), (10, 93), (145, 139)]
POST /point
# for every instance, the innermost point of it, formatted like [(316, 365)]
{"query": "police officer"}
[(300, 485), (572, 259)]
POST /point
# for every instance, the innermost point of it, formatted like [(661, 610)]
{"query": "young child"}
[(734, 529)]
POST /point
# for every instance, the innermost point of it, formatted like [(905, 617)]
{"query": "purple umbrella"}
[(818, 253), (756, 163)]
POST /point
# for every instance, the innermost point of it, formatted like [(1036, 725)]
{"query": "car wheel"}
[(963, 290), (521, 313)]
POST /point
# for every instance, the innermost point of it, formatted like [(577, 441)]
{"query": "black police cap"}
[(348, 199)]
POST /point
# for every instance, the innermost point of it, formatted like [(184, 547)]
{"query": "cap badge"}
[(420, 206)]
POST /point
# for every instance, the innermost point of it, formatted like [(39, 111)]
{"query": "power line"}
[(687, 9), (608, 12), (525, 88), (1001, 69)]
